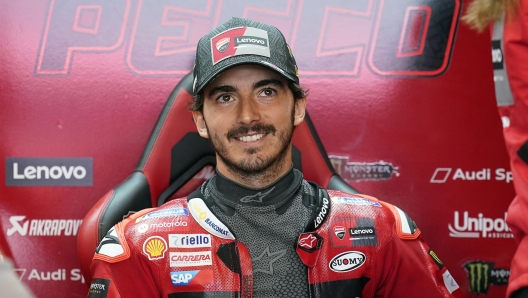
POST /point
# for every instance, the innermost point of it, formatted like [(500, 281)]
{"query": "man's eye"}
[(224, 98), (267, 92)]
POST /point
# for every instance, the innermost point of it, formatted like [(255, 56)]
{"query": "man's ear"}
[(300, 111), (200, 124)]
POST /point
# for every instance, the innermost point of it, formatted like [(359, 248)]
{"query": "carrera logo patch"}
[(247, 41), (347, 261), (190, 259), (154, 247)]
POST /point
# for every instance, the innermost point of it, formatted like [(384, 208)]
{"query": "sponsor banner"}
[(444, 175), (208, 220), (164, 213), (350, 232), (359, 201), (190, 259), (155, 247), (323, 213), (60, 274), (99, 288), (189, 240), (189, 278), (362, 171), (57, 171), (347, 261), (42, 227), (466, 226), (482, 275)]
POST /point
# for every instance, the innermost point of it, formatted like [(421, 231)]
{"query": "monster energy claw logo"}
[(481, 275)]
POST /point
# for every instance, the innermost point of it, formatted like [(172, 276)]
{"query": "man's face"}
[(249, 114)]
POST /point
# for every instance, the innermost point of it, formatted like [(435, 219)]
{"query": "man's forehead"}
[(247, 73)]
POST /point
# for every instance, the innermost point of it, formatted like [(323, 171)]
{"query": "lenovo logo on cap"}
[(33, 171), (247, 41)]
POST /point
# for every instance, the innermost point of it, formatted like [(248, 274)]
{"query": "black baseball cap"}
[(242, 41)]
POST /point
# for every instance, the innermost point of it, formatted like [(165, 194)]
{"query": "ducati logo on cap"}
[(222, 44)]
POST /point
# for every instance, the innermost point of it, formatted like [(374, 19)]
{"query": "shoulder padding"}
[(406, 228)]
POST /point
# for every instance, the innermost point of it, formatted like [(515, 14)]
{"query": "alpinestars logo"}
[(256, 197), (476, 227), (43, 227), (481, 275), (357, 171)]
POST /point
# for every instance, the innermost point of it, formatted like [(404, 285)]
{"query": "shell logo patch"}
[(155, 247)]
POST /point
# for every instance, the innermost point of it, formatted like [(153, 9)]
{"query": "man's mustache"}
[(244, 129)]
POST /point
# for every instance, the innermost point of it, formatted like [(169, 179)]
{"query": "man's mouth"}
[(252, 138)]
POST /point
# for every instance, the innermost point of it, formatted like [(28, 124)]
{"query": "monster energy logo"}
[(482, 274)]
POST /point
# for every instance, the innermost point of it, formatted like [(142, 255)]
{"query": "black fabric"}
[(227, 253), (230, 193), (204, 295), (522, 293), (523, 152), (341, 288)]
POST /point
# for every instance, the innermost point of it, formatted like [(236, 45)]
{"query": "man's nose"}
[(249, 111)]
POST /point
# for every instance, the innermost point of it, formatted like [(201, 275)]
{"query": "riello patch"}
[(155, 247), (240, 41)]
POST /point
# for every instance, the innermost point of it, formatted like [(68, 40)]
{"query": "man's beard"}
[(254, 166)]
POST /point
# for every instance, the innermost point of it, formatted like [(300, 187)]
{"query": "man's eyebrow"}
[(220, 89), (273, 82)]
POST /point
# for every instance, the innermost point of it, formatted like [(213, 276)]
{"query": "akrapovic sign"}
[(57, 171)]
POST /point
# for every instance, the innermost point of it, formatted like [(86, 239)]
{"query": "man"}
[(257, 228)]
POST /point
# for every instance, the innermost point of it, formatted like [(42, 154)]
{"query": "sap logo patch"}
[(347, 261), (355, 201), (182, 278), (99, 288), (155, 247)]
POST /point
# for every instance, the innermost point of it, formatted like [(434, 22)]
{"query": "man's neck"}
[(258, 179)]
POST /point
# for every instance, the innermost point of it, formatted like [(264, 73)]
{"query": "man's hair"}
[(298, 92), (481, 13)]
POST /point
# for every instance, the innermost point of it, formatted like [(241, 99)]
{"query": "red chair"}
[(174, 154)]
